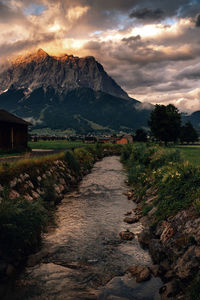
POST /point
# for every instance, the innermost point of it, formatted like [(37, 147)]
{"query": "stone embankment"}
[(33, 185), (173, 245)]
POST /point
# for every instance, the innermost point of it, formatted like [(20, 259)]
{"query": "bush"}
[(176, 182), (137, 174), (126, 152), (164, 156), (177, 189), (194, 290), (21, 224), (49, 193), (72, 162), (146, 209), (84, 157), (142, 154)]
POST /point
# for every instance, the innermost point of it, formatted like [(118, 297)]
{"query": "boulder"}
[(28, 198), (142, 273), (35, 195), (13, 195), (131, 220), (188, 264), (126, 235), (13, 183), (36, 258), (144, 238), (130, 195), (152, 211), (128, 213), (113, 297), (169, 290), (167, 233), (157, 251), (154, 270)]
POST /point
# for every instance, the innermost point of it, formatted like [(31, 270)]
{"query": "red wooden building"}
[(13, 132)]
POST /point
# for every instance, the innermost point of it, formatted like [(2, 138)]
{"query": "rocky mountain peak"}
[(63, 73), (41, 53)]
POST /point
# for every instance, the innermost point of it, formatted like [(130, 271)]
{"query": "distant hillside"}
[(81, 109), (194, 118)]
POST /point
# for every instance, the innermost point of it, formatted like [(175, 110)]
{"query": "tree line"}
[(166, 126)]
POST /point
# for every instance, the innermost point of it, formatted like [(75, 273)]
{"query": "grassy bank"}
[(56, 145), (166, 188), (190, 153), (175, 180)]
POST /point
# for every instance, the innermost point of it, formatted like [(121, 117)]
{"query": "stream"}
[(83, 251)]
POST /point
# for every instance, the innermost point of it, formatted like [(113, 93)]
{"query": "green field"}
[(56, 145), (190, 153)]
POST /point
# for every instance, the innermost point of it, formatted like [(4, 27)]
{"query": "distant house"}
[(126, 139), (104, 140), (90, 139), (13, 132), (122, 141)]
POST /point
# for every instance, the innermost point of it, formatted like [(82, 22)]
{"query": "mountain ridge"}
[(68, 92), (64, 73)]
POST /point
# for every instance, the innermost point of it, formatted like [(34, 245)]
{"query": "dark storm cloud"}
[(190, 73), (8, 48), (171, 86), (198, 21), (9, 15), (131, 39), (146, 13)]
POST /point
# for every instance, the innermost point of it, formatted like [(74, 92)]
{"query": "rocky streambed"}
[(92, 253)]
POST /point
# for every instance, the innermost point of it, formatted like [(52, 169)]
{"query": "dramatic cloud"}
[(146, 13), (151, 48), (198, 21)]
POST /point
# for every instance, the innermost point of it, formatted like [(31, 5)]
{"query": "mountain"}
[(68, 92), (194, 118), (61, 73)]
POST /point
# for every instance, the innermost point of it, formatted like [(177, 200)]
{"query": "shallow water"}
[(84, 249)]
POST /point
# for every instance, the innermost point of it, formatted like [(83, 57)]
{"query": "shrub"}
[(72, 162), (194, 290), (146, 209), (177, 189), (49, 195), (164, 156), (176, 182), (84, 157), (21, 224), (126, 152), (142, 154), (137, 174)]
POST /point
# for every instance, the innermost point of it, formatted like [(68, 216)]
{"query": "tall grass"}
[(21, 224), (176, 181), (13, 169)]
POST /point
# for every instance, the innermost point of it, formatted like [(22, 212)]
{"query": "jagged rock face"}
[(63, 73)]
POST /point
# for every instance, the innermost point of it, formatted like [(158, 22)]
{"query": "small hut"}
[(13, 132)]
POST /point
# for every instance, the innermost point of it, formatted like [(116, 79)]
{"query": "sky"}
[(151, 48)]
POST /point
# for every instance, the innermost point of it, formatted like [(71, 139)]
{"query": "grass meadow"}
[(55, 145), (190, 153)]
